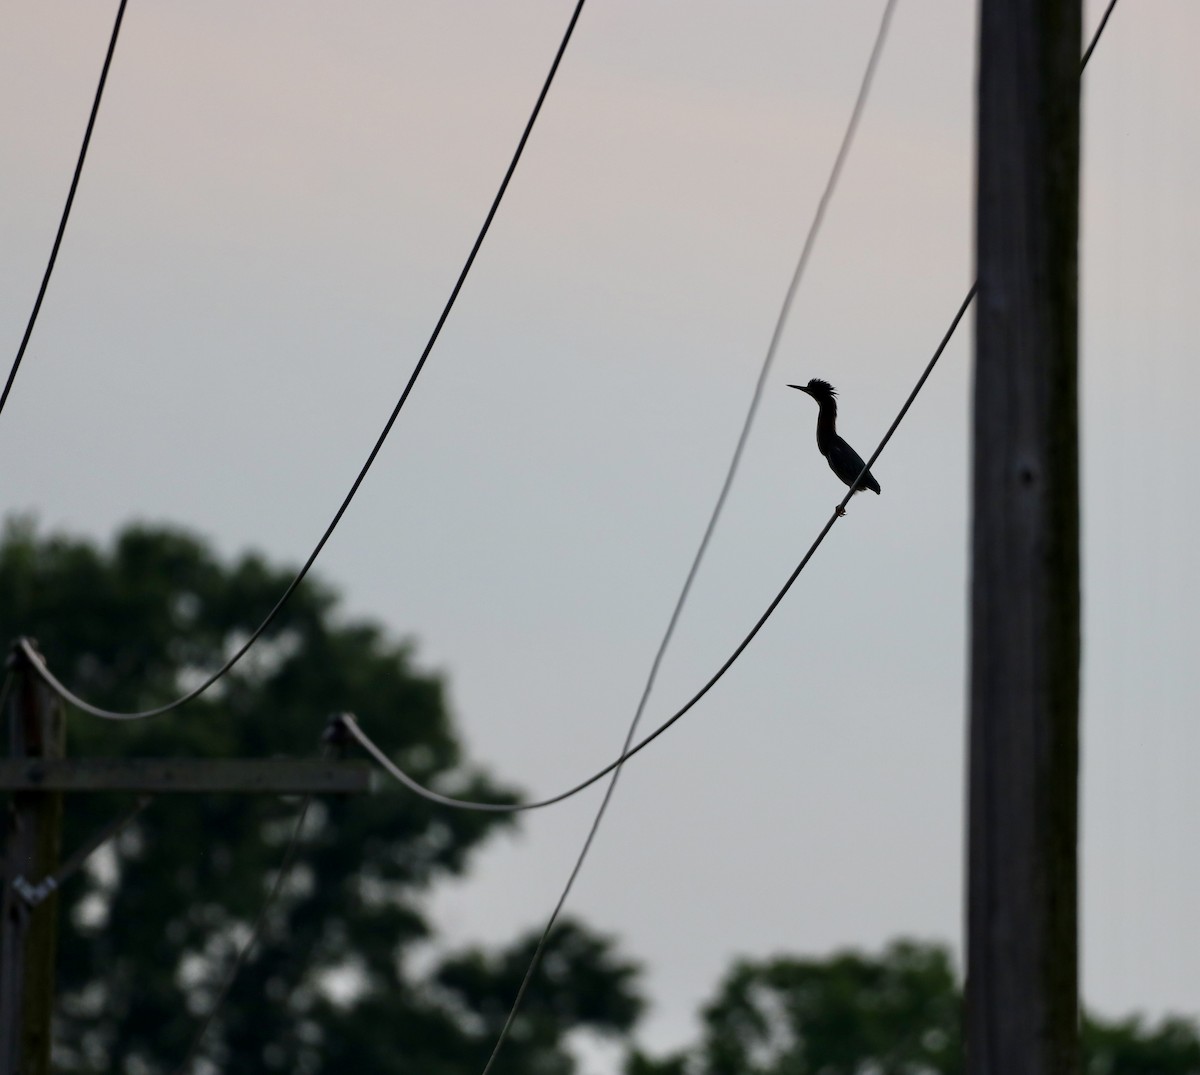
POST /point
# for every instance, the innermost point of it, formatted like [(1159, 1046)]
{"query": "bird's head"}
[(821, 391)]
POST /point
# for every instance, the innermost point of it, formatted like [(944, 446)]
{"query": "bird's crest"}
[(819, 387)]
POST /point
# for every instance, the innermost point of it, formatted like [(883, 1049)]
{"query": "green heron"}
[(843, 460)]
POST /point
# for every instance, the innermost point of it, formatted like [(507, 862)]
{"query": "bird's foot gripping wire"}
[(841, 511)]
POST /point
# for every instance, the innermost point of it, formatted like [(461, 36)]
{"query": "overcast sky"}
[(276, 203)]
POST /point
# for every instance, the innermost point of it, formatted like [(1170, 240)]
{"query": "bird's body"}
[(843, 460)]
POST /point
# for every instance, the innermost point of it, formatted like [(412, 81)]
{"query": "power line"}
[(465, 804), (109, 714), (39, 666), (814, 227), (1087, 55), (62, 223), (615, 767), (397, 773)]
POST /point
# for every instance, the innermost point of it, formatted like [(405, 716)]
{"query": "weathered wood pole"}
[(1022, 947), (32, 833)]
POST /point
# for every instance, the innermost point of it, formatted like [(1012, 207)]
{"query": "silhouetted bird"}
[(843, 460)]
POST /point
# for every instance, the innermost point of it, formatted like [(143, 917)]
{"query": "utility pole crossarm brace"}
[(281, 776)]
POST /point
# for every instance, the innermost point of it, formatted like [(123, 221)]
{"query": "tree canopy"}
[(147, 936), (896, 1013), (349, 975)]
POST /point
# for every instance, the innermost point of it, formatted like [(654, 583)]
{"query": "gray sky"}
[(277, 201)]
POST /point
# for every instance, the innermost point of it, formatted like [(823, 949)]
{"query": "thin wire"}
[(285, 869), (1096, 36), (731, 471), (109, 714), (62, 223), (397, 773)]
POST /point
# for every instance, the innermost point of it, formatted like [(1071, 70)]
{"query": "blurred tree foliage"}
[(895, 1014), (335, 986), (147, 937)]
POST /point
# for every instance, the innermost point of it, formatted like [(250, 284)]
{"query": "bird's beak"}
[(802, 387)]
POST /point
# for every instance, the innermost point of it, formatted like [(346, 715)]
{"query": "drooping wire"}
[(353, 728), (465, 804), (62, 223), (38, 664), (814, 227), (109, 714), (393, 770)]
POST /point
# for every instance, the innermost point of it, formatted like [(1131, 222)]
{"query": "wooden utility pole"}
[(38, 774), (32, 833), (1022, 946)]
